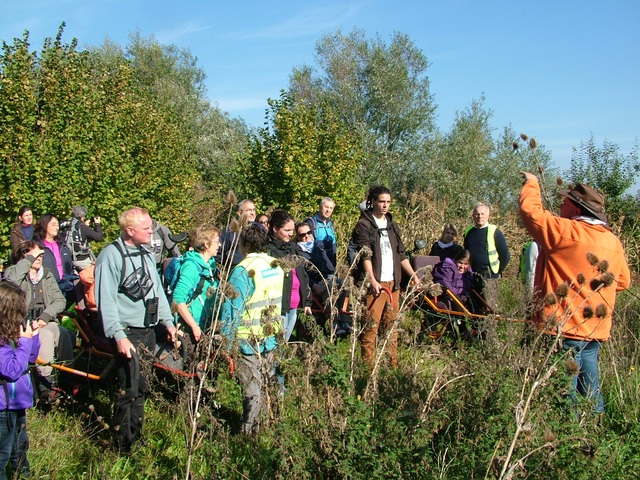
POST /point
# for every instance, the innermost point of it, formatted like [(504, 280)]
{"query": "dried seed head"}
[(230, 198), (581, 279), (435, 289), (524, 137), (229, 292), (549, 436), (607, 279), (601, 310), (515, 145), (603, 266), (593, 260), (562, 290), (532, 144), (572, 366), (587, 312), (550, 299), (234, 226), (596, 284), (559, 181)]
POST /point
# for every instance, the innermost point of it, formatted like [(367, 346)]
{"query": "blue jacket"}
[(16, 388)]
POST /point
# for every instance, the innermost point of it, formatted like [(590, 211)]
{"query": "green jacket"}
[(192, 269)]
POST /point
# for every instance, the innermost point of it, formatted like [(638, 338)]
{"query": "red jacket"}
[(585, 312)]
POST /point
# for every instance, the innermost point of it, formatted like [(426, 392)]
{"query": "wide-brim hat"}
[(588, 198)]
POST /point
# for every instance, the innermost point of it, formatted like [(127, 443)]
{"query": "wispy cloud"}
[(181, 31), (307, 22)]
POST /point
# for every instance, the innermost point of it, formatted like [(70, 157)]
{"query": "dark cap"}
[(588, 198)]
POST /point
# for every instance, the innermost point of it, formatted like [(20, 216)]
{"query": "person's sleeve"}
[(107, 277), (541, 224), (233, 308), (15, 239), (503, 250), (361, 235), (57, 301), (187, 282), (15, 361), (90, 233), (624, 279), (19, 271)]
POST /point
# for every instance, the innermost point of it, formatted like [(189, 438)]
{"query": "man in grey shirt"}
[(131, 303)]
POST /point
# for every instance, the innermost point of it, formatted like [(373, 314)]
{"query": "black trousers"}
[(132, 386)]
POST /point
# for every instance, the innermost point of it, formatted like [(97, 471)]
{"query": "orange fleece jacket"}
[(564, 244)]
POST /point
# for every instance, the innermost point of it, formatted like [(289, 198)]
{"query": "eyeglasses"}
[(304, 234), (264, 222)]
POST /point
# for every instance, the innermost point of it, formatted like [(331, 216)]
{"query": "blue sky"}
[(555, 70)]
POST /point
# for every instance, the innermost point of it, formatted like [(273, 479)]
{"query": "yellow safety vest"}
[(494, 258), (262, 312)]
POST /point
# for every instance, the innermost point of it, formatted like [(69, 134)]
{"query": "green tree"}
[(382, 94), (307, 154), (605, 168), (77, 128)]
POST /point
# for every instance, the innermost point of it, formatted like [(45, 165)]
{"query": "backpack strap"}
[(125, 255)]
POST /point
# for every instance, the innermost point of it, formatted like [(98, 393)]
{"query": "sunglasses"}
[(304, 234)]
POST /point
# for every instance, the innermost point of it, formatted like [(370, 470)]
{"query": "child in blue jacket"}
[(19, 346)]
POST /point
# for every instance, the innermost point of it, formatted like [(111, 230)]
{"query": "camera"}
[(31, 316), (151, 312)]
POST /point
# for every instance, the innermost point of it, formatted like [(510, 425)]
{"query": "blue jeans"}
[(289, 323), (13, 442), (587, 382)]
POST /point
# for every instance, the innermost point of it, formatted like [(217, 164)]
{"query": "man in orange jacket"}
[(580, 267)]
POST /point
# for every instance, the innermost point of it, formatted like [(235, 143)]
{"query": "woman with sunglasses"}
[(296, 293)]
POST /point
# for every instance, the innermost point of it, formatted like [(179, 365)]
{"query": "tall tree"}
[(78, 129), (604, 167), (307, 154), (381, 92)]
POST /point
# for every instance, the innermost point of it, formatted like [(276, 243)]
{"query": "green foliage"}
[(308, 154), (604, 168), (97, 128), (382, 93)]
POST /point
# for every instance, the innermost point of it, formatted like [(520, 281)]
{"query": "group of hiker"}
[(254, 277)]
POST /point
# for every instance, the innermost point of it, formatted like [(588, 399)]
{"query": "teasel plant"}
[(532, 145)]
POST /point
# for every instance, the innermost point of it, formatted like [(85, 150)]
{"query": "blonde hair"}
[(449, 226), (131, 217), (202, 234)]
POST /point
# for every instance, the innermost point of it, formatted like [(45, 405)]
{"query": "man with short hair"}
[(131, 303), (489, 252), (322, 227), (579, 251), (229, 254)]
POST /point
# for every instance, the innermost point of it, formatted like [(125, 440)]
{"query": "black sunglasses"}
[(304, 234)]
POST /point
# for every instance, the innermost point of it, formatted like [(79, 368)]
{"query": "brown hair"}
[(13, 308), (202, 234)]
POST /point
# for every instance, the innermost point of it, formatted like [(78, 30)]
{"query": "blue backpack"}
[(172, 275)]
